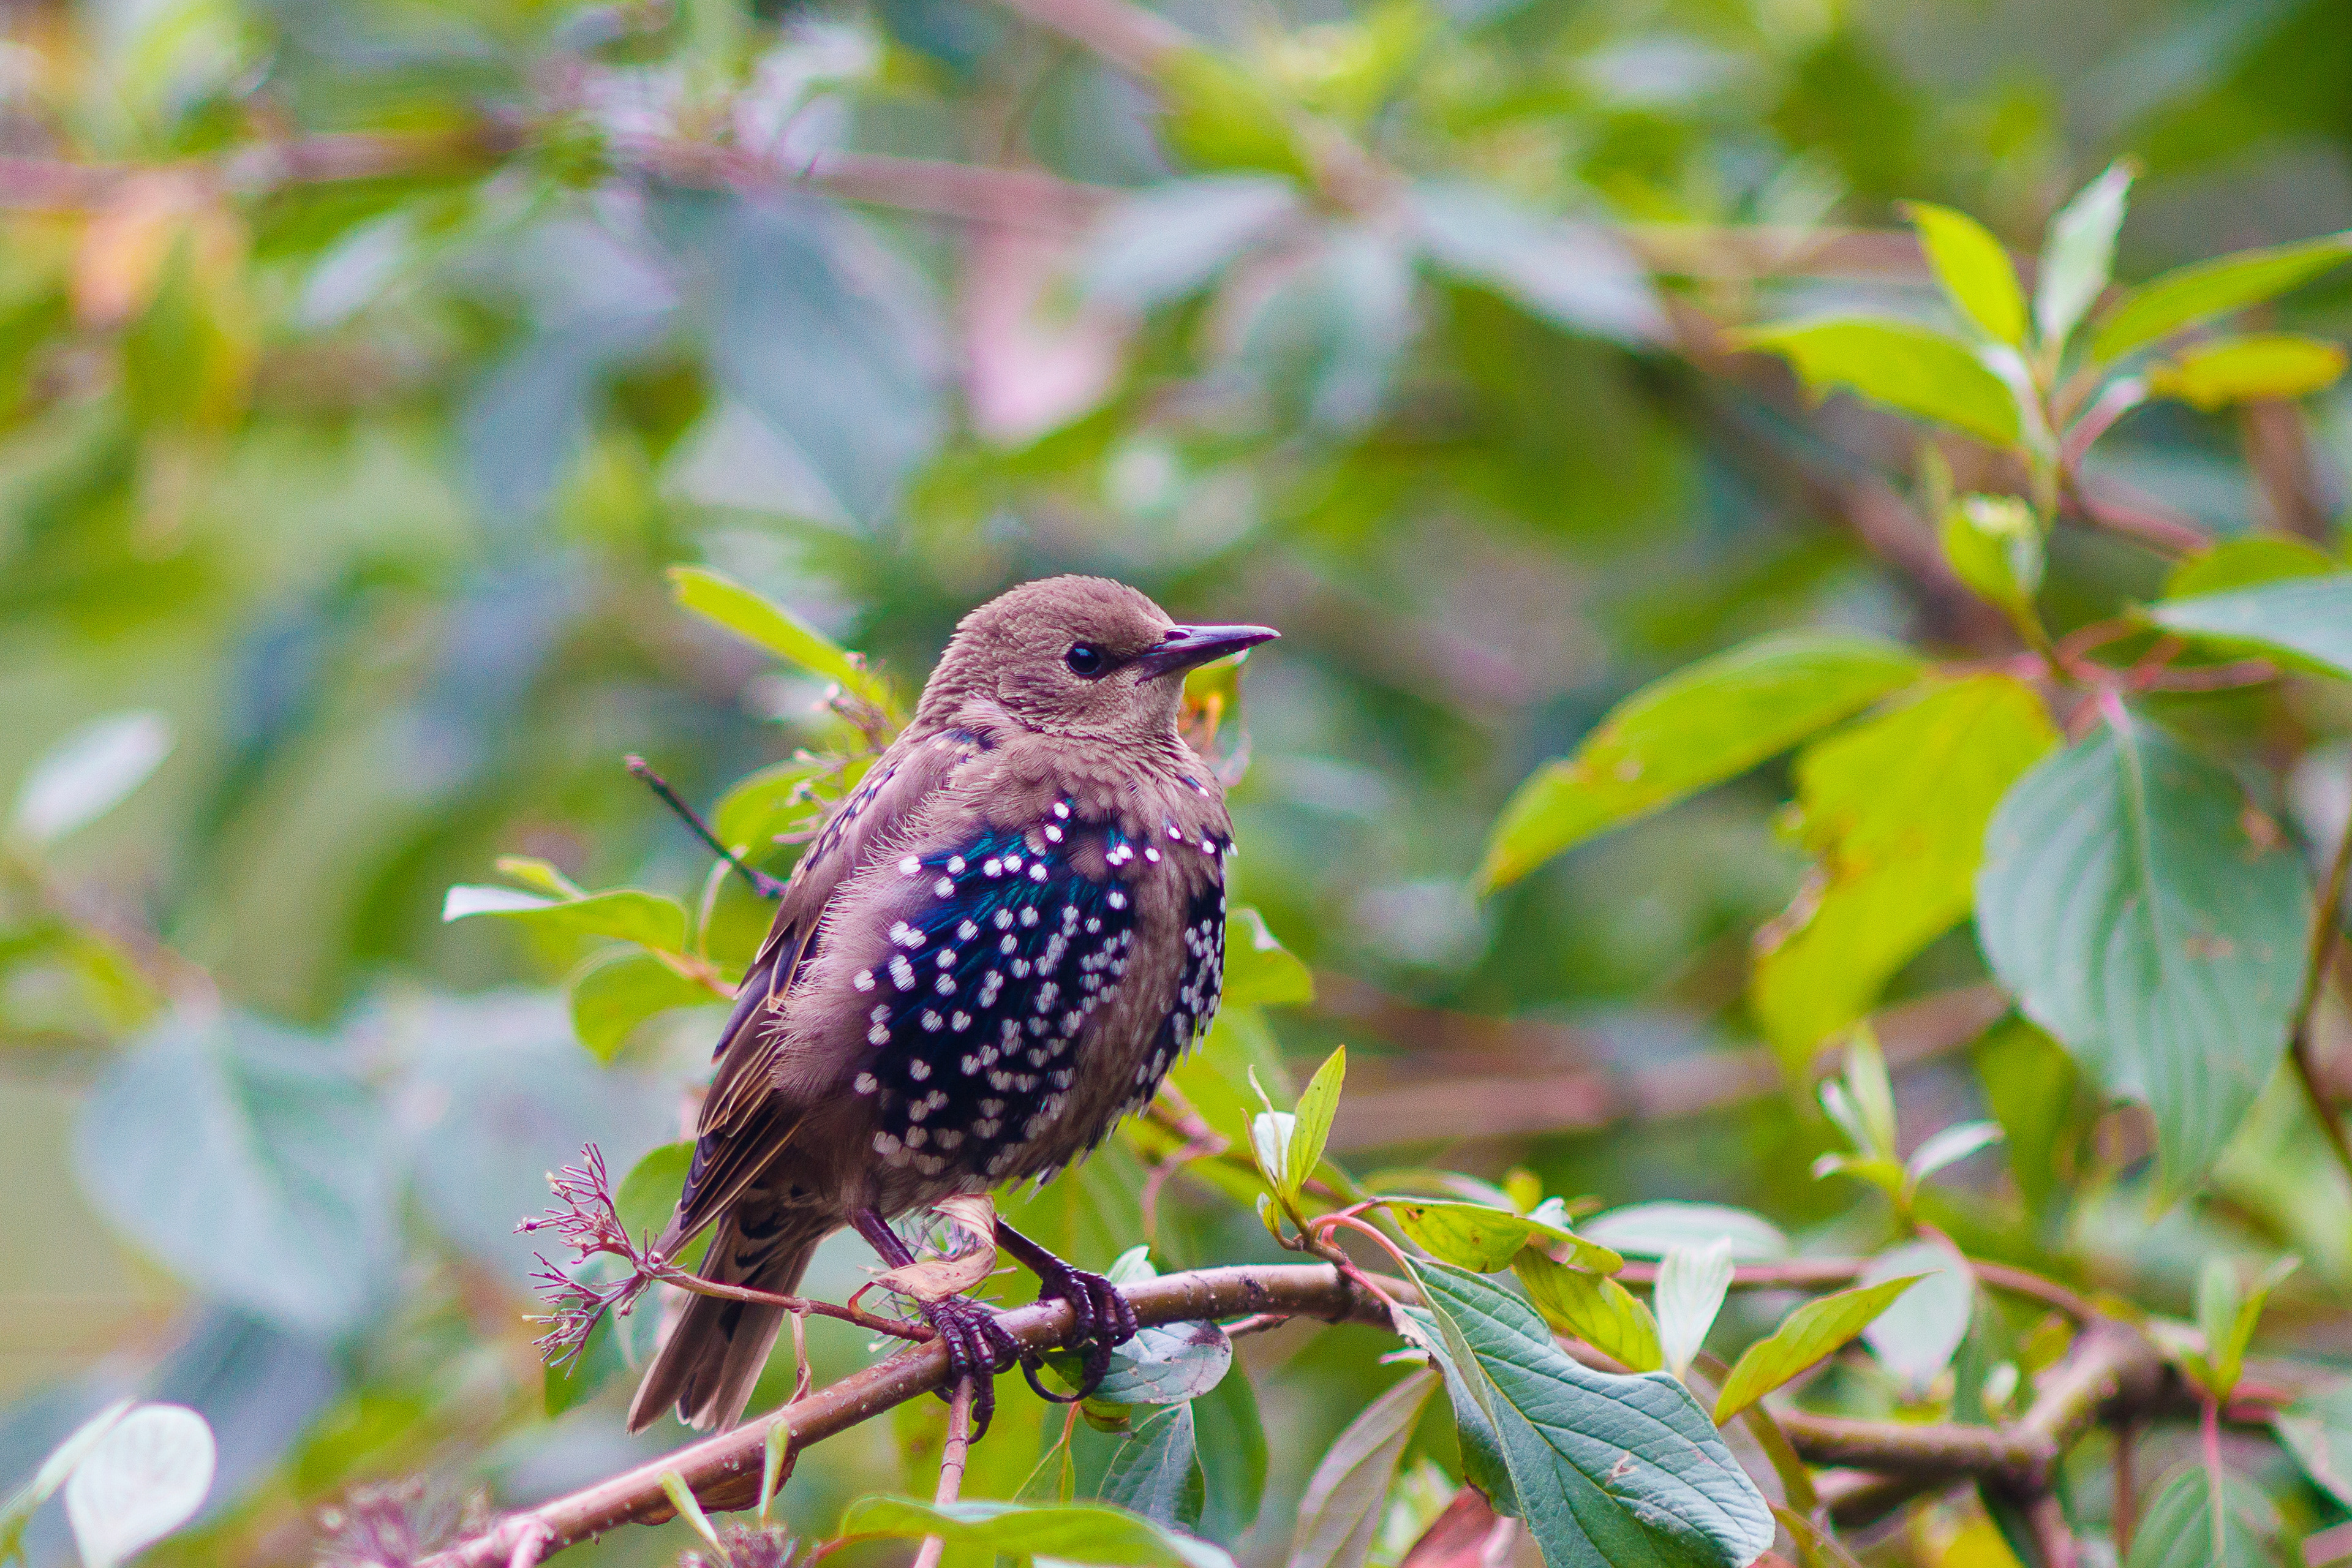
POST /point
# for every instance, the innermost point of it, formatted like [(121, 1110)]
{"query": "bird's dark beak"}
[(1186, 647)]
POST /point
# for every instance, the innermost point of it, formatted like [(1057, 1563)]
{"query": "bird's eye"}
[(1085, 658)]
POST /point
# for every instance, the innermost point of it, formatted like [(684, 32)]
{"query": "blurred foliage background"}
[(363, 364)]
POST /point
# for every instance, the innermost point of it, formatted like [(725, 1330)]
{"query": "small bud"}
[(1994, 546)]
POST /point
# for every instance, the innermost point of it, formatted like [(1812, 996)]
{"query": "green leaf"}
[(1995, 547), (1916, 368), (1340, 1513), (1311, 1123), (616, 990), (2031, 1084), (2308, 619), (1699, 726), (1259, 970), (146, 1476), (2125, 904), (1818, 1329), (1894, 809), (649, 1195), (1604, 1469), (759, 620), (2317, 1430), (1950, 1147), (1232, 1457), (2216, 375), (1219, 115), (624, 914), (2078, 257), (2247, 564), (1655, 1230), (1481, 1447), (2204, 289), (84, 775), (2182, 1529), (1593, 1308), (1917, 1335), (689, 1508), (1155, 1471), (773, 801), (1074, 1532), (1688, 1295), (2228, 1318), (1973, 268), (1487, 1239), (1167, 1365)]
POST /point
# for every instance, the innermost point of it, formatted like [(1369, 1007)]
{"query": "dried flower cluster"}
[(586, 1219)]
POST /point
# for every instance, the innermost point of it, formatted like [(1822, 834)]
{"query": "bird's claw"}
[(978, 1347), (1101, 1322)]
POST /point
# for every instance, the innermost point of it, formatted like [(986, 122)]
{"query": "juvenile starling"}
[(995, 949)]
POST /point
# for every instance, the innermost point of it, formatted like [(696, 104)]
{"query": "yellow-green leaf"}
[(1259, 970), (2241, 369), (1894, 809), (1903, 365), (1699, 726), (1974, 269), (1311, 1123), (756, 618), (1815, 1329), (1220, 116), (1476, 1236), (2204, 289), (1593, 1307)]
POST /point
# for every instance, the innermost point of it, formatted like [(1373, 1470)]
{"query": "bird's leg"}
[(1101, 1319), (978, 1346)]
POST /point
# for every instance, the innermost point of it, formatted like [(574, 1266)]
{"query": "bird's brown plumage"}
[(1046, 847)]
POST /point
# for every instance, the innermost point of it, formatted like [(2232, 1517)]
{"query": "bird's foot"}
[(978, 1347), (1101, 1321)]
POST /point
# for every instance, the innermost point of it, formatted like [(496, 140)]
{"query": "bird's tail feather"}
[(716, 1350)]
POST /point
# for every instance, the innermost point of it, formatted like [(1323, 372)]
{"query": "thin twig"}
[(759, 882), (953, 1451), (2319, 954)]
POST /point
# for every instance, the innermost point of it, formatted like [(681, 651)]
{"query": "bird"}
[(994, 948)]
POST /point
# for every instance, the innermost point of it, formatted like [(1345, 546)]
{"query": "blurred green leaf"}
[(1593, 1307), (1655, 1230), (1576, 277), (1220, 115), (1168, 241), (1995, 547), (730, 604), (2031, 1083), (2205, 290), (1167, 1365), (2165, 948), (83, 776), (2227, 1314), (253, 1162), (1486, 1240), (1155, 1471), (1604, 1469), (2182, 1529), (615, 991), (1339, 1515), (1705, 723), (1259, 970), (1819, 1328), (2308, 619), (2247, 563), (1974, 269), (1894, 808), (626, 914), (2079, 254), (1234, 1457), (1075, 1532), (2215, 374), (2316, 1428), (1916, 1335), (775, 800), (1913, 368)]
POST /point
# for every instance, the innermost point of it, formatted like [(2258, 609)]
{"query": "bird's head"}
[(1076, 655)]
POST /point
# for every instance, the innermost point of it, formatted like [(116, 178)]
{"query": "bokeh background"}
[(363, 363)]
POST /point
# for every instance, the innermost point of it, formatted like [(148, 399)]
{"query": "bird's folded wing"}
[(742, 1126)]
